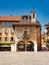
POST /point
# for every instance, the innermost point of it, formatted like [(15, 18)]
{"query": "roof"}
[(27, 23), (47, 25), (10, 18), (34, 11)]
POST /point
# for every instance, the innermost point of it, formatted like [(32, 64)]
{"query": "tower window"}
[(33, 15)]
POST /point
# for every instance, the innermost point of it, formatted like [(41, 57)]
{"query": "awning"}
[(5, 44)]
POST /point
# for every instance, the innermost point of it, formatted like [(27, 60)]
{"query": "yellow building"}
[(7, 31), (45, 38)]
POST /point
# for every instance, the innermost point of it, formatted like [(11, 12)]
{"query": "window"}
[(25, 18), (12, 30), (6, 31), (33, 15), (13, 23), (3, 23), (0, 39), (6, 38), (0, 30), (8, 23), (26, 35), (0, 34), (12, 39)]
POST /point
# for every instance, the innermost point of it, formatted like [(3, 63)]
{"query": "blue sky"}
[(24, 7)]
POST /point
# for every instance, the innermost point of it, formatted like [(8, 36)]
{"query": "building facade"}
[(7, 31), (45, 38), (20, 33)]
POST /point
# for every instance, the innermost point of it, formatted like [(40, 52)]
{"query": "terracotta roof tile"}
[(10, 18)]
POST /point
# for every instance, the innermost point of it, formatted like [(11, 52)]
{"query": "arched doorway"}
[(30, 46), (21, 46)]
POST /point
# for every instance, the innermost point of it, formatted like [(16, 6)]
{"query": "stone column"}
[(13, 47), (35, 46)]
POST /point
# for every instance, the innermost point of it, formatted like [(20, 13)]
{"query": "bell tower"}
[(33, 16)]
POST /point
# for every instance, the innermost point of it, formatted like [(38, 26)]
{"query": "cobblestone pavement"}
[(24, 58)]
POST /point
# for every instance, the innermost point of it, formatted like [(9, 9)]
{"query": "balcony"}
[(26, 36)]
